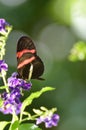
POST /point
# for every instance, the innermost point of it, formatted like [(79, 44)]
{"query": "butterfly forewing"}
[(25, 43), (27, 57)]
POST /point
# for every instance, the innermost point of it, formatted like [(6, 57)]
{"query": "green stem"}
[(30, 118), (14, 119), (4, 80), (25, 119)]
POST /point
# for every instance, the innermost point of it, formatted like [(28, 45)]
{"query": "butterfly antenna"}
[(30, 72)]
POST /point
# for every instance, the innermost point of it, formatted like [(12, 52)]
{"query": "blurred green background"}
[(54, 25)]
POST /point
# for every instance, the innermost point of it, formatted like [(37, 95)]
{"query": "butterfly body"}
[(27, 57)]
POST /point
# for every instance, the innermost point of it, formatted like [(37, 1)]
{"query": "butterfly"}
[(29, 64)]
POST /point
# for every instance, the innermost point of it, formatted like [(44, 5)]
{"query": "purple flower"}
[(39, 120), (14, 82), (49, 120), (11, 100), (16, 93), (15, 74), (5, 95), (10, 108), (11, 103), (25, 85), (3, 65), (3, 25)]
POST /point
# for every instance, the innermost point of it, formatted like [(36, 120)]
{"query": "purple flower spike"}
[(48, 120), (25, 85), (3, 65), (11, 100), (51, 121), (11, 103), (39, 120), (14, 82), (3, 25), (10, 108)]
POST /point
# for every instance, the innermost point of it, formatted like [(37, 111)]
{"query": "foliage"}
[(78, 52)]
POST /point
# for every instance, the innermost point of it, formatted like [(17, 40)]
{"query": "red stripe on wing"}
[(20, 53), (25, 62)]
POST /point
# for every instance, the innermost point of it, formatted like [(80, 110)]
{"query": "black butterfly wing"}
[(26, 57), (24, 71), (38, 68), (25, 43), (22, 68)]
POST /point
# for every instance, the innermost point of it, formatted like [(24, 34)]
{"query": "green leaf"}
[(29, 126), (34, 95), (14, 126), (3, 124)]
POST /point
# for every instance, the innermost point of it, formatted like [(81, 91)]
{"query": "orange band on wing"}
[(20, 53), (25, 62)]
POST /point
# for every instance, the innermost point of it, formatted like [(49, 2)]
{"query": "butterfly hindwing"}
[(27, 57), (38, 68)]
